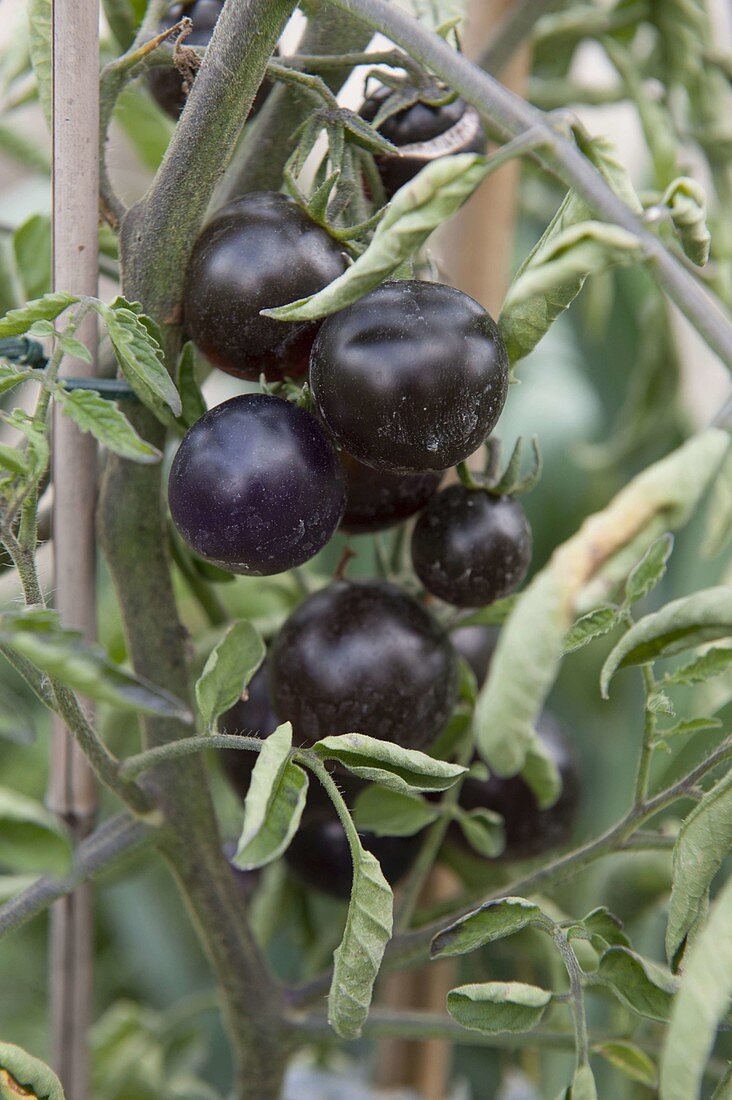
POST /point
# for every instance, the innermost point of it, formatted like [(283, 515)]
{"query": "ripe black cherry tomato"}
[(411, 377), (255, 486), (320, 856), (260, 251), (529, 830), (364, 658), (166, 84), (423, 133), (377, 499), (476, 644), (470, 547), (253, 717)]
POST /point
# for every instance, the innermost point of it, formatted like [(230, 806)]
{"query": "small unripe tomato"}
[(470, 547), (166, 84), (258, 252), (256, 487), (320, 855), (363, 657), (411, 377), (378, 499), (422, 133), (529, 830)]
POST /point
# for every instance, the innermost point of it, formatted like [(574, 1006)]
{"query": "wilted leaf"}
[(417, 209), (702, 1001), (681, 624), (389, 813), (274, 803), (642, 985), (47, 308), (493, 921), (402, 770), (498, 1006), (107, 423), (687, 202), (228, 670), (22, 1075), (357, 960), (703, 842)]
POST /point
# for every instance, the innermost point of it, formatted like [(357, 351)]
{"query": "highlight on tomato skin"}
[(258, 252)]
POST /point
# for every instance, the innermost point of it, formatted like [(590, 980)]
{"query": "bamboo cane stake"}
[(71, 792)]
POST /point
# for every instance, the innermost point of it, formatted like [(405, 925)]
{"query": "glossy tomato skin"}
[(476, 644), (529, 830), (423, 133), (166, 84), (378, 499), (258, 252), (252, 717), (255, 486), (412, 377), (320, 856), (363, 657), (470, 547)]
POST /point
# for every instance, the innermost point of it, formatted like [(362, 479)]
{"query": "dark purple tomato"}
[(377, 499), (320, 856), (166, 84), (476, 645), (255, 486), (411, 377), (423, 133), (470, 547), (258, 252), (252, 717), (529, 830), (363, 657)]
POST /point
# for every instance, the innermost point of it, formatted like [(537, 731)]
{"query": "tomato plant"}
[(350, 649)]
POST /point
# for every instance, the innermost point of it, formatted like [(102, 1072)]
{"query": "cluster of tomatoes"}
[(405, 383)]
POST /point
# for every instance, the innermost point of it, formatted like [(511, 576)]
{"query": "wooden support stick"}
[(71, 793)]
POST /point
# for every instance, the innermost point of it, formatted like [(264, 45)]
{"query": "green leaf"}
[(417, 209), (140, 357), (590, 626), (632, 1062), (390, 813), (146, 126), (87, 669), (681, 624), (32, 248), (493, 921), (27, 151), (493, 615), (22, 1075), (192, 402), (40, 31), (47, 308), (483, 830), (73, 347), (228, 670), (13, 460), (687, 203), (718, 533), (601, 928), (583, 1086), (11, 376), (274, 803), (649, 570), (399, 769), (107, 423), (16, 720), (690, 725), (715, 662), (357, 960), (498, 1006), (31, 839), (524, 322), (644, 986), (541, 774), (702, 1001), (703, 842)]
